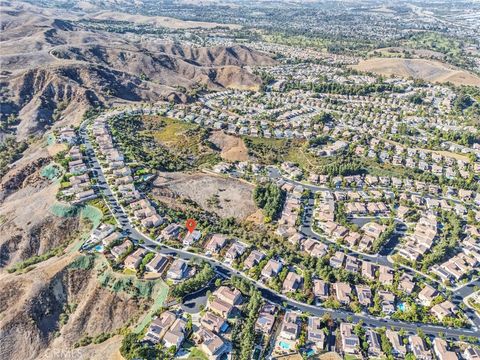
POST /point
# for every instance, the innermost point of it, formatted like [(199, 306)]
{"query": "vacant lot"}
[(185, 140), (428, 70), (232, 147), (170, 132), (223, 196)]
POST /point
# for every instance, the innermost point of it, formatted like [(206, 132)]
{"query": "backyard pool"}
[(99, 248), (284, 345)]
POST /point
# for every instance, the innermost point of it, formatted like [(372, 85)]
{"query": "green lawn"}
[(161, 292), (130, 272), (351, 357), (197, 354)]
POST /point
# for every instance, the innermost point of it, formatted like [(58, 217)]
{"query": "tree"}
[(195, 283), (270, 198)]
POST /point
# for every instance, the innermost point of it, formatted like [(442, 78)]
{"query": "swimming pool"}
[(401, 306), (284, 345), (99, 248)]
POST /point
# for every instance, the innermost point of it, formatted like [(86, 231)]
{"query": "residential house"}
[(406, 283), (418, 348), (220, 307), (118, 251), (232, 297), (471, 353), (315, 333), (398, 348), (350, 341), (152, 221), (290, 328), (236, 250), (320, 289), (215, 244), (364, 294), (211, 344), (159, 326), (292, 282), (158, 264), (374, 343), (441, 351), (387, 301), (442, 310), (426, 295), (336, 261), (133, 260), (112, 238), (171, 231), (253, 259), (266, 319), (373, 229), (271, 269), (178, 270), (368, 270), (385, 275), (343, 292), (175, 335), (191, 238), (213, 322)]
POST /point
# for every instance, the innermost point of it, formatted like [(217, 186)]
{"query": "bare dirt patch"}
[(257, 217), (232, 147), (54, 149), (428, 70), (224, 196)]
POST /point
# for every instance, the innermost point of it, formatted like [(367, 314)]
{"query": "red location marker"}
[(191, 225)]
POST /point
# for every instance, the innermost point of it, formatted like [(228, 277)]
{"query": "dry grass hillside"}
[(232, 147), (54, 67), (44, 312), (429, 70)]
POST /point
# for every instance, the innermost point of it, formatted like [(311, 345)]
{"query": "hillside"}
[(428, 70), (53, 67)]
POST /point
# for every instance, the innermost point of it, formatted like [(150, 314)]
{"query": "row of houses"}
[(363, 239), (349, 343), (80, 188), (409, 185), (119, 175)]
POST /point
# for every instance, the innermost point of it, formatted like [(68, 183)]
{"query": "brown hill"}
[(428, 70), (45, 312), (55, 67)]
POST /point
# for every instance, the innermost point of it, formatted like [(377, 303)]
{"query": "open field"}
[(428, 70), (223, 196), (185, 140), (172, 133), (232, 148), (281, 150)]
